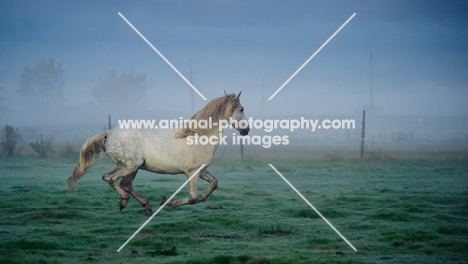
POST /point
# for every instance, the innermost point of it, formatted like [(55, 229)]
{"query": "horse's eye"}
[(242, 110)]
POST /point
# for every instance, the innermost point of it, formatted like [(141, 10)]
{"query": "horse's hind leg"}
[(207, 176), (116, 174), (144, 202), (126, 184)]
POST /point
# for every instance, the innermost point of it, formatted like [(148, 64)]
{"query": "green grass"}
[(399, 211)]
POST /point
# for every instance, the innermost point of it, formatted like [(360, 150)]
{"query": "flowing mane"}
[(216, 109)]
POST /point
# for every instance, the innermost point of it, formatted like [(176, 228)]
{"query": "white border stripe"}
[(162, 56), (311, 57), (303, 198), (161, 207)]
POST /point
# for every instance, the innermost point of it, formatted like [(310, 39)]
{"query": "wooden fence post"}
[(363, 132), (242, 150)]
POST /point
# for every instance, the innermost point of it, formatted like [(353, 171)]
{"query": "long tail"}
[(89, 155)]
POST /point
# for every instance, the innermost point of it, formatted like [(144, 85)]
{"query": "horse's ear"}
[(239, 94), (225, 92)]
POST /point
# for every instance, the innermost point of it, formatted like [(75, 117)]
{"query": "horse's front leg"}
[(192, 189), (207, 176)]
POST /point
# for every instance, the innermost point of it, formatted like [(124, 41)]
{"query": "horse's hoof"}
[(163, 200), (200, 199), (122, 204), (148, 209)]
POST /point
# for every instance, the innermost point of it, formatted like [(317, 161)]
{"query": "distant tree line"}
[(114, 89), (12, 137), (43, 84)]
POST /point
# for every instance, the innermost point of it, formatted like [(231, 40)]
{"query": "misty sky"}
[(419, 49)]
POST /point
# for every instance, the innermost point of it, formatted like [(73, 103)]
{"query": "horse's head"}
[(236, 115)]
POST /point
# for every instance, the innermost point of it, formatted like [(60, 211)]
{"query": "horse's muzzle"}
[(244, 131)]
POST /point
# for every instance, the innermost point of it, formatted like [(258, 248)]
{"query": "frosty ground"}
[(393, 210)]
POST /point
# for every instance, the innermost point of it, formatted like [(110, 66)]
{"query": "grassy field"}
[(397, 211)]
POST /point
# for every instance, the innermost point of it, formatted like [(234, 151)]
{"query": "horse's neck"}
[(214, 131)]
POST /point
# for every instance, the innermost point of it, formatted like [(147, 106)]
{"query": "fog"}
[(418, 73)]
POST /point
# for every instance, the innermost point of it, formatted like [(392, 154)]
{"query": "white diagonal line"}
[(162, 56), (161, 207), (311, 57), (303, 198)]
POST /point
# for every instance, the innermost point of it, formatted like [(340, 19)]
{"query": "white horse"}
[(164, 151)]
